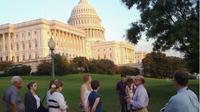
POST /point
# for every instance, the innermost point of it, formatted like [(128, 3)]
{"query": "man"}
[(11, 97), (185, 100), (121, 89), (140, 99)]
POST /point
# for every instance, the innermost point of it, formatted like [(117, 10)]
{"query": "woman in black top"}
[(31, 100)]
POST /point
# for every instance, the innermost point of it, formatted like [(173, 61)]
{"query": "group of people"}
[(90, 98), (32, 102), (133, 96)]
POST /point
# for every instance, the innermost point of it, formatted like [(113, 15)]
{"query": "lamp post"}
[(52, 46)]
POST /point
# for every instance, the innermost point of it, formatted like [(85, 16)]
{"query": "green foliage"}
[(127, 70), (82, 63), (77, 65), (102, 66), (171, 23), (5, 65), (44, 68), (60, 65), (20, 70), (157, 64)]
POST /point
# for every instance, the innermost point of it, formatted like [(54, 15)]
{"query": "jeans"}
[(123, 104)]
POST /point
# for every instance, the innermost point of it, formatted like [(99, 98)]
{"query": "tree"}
[(127, 70), (171, 23), (102, 66), (82, 63), (59, 65), (44, 68), (157, 64)]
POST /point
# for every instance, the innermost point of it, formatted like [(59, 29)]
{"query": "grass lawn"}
[(160, 90)]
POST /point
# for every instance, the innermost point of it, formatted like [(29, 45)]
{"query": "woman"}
[(129, 92), (31, 99), (56, 101), (85, 90), (49, 90), (94, 98)]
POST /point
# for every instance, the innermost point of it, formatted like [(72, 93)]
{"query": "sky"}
[(115, 16)]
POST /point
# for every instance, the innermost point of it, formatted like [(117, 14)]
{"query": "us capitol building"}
[(82, 35)]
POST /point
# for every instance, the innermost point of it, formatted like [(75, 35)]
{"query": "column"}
[(69, 41), (72, 38), (98, 35), (3, 43), (9, 47), (79, 46), (91, 33)]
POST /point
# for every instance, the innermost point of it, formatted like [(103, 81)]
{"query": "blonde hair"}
[(86, 77)]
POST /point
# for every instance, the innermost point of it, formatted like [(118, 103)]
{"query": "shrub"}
[(82, 63), (5, 65), (71, 68), (102, 66), (127, 70), (44, 68), (19, 70)]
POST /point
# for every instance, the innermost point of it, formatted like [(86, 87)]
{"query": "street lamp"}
[(52, 46)]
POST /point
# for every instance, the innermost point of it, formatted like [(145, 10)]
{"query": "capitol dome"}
[(84, 16)]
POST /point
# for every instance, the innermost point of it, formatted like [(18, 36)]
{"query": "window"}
[(11, 47), (17, 58), (29, 45), (13, 58), (35, 32), (29, 56), (23, 57), (104, 56), (23, 45), (6, 47), (17, 47), (36, 44), (29, 34), (6, 58), (98, 57), (110, 55), (36, 56)]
